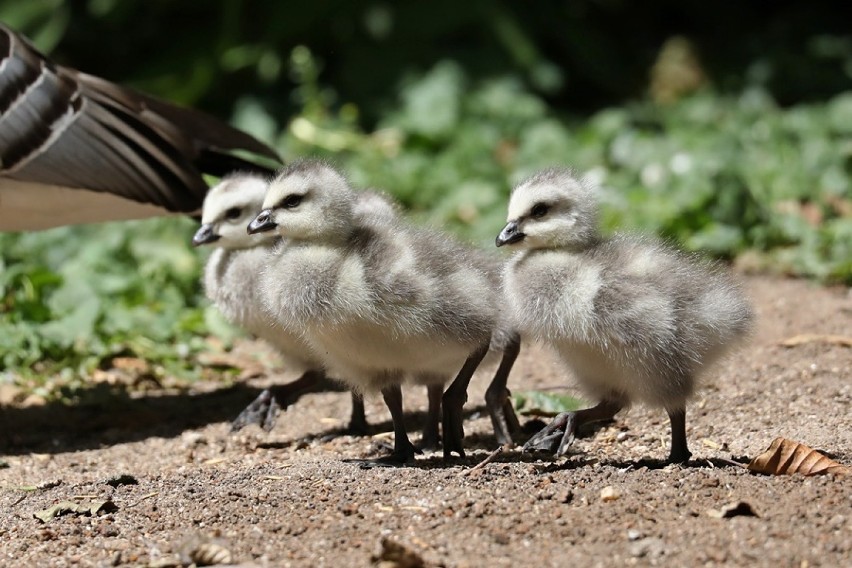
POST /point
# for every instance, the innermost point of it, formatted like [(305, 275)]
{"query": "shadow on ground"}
[(109, 416)]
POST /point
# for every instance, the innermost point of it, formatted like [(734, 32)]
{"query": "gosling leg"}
[(403, 449), (497, 397), (358, 420), (559, 434), (431, 430), (679, 452), (454, 399)]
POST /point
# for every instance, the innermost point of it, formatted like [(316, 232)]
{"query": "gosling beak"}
[(509, 235), (204, 235), (262, 223)]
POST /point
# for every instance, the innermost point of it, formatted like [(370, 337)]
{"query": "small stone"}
[(609, 493), (633, 535)]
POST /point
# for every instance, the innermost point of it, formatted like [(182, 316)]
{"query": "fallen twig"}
[(805, 338), (144, 497), (732, 462), (488, 459)]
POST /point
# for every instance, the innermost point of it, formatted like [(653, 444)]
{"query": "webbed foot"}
[(403, 453), (556, 437), (263, 411)]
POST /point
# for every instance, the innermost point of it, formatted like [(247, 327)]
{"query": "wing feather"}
[(60, 127)]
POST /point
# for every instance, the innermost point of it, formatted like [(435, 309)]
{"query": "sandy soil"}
[(289, 497)]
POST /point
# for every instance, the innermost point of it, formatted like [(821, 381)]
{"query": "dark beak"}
[(262, 223), (204, 235), (509, 235)]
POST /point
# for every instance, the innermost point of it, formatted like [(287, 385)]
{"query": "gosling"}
[(378, 300), (633, 319), (230, 282)]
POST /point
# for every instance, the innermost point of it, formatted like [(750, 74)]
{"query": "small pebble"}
[(609, 493)]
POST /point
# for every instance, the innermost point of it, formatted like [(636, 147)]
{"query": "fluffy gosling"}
[(377, 300), (633, 319), (230, 282)]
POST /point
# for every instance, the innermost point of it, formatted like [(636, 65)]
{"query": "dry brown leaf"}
[(796, 340), (70, 507), (210, 554), (786, 457), (203, 550)]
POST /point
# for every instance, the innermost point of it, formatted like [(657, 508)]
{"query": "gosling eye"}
[(539, 210), (291, 201), (233, 213)]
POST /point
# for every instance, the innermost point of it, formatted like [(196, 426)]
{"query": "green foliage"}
[(447, 126), (583, 55), (713, 173), (73, 296), (539, 403)]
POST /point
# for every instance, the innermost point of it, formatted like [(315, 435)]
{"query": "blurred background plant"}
[(738, 144)]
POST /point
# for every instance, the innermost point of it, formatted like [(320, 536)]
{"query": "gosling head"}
[(228, 208), (554, 208), (308, 200)]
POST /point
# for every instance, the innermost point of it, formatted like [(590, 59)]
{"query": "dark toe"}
[(544, 442), (262, 411)]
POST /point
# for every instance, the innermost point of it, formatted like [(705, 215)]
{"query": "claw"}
[(567, 440), (547, 443), (271, 416), (555, 437), (263, 411)]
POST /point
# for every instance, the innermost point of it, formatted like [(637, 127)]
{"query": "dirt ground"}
[(289, 497)]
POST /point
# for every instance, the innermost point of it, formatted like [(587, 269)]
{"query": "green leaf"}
[(538, 403), (431, 106)]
